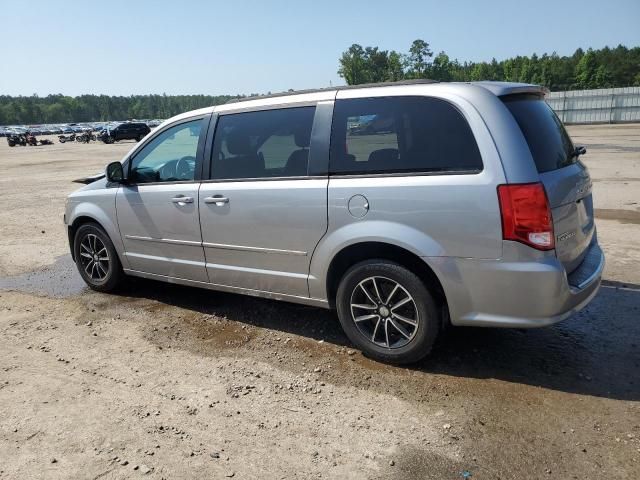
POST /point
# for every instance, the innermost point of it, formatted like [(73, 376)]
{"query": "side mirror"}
[(581, 150), (115, 173)]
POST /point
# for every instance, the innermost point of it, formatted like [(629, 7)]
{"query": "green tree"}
[(418, 59), (607, 67), (87, 108), (441, 68), (586, 71), (602, 78), (353, 67), (395, 70), (377, 64)]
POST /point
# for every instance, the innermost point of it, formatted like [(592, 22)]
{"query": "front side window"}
[(169, 157), (401, 134), (263, 144)]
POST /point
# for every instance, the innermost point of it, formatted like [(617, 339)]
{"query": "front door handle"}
[(182, 200), (217, 199)]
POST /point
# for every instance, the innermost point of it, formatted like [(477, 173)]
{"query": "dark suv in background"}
[(125, 131)]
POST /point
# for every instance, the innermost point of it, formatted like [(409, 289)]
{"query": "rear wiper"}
[(577, 151)]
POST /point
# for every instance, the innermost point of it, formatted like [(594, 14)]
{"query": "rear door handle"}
[(217, 199), (182, 200)]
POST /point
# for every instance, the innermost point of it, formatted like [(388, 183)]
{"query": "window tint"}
[(270, 143), (370, 133), (401, 134), (171, 156), (548, 141)]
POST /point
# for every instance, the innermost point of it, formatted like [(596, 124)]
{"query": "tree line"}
[(603, 68), (93, 108)]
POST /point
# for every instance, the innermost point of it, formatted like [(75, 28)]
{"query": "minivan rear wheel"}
[(96, 258), (387, 311)]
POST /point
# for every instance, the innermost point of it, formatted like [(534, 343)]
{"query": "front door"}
[(158, 210), (261, 213)]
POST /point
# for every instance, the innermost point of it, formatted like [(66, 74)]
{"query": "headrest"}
[(238, 143), (384, 156), (302, 137)]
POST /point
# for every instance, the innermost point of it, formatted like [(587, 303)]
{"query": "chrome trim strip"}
[(256, 271), (264, 179), (217, 245), (165, 259), (314, 302), (164, 240), (413, 173), (254, 249)]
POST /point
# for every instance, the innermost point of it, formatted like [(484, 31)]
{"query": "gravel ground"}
[(164, 381)]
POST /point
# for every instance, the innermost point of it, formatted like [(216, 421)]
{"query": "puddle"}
[(622, 216), (58, 280), (220, 334)]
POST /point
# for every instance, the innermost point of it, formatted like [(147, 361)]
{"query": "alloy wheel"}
[(94, 258), (384, 312)]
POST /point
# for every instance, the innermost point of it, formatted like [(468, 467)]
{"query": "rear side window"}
[(270, 143), (549, 142), (401, 134)]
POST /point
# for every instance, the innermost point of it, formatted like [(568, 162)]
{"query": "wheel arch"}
[(88, 212), (370, 250), (75, 225)]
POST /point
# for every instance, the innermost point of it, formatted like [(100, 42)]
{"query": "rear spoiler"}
[(88, 180), (501, 89)]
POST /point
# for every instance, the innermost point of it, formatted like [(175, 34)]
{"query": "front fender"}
[(392, 233), (98, 204)]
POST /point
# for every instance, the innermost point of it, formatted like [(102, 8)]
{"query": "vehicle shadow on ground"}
[(596, 352)]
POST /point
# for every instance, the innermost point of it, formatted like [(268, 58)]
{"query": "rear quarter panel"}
[(432, 216)]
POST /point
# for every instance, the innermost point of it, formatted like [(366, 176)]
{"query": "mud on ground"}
[(163, 381)]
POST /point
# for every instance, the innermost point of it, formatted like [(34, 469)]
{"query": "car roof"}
[(497, 88), (418, 81), (323, 94)]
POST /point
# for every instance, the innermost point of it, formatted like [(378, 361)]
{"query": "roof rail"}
[(329, 89)]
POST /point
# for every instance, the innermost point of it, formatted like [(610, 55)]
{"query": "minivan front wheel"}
[(96, 258), (387, 311)]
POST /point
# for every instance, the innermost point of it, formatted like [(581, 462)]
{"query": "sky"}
[(213, 47)]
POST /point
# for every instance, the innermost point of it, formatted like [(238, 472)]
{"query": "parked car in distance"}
[(404, 206), (124, 131)]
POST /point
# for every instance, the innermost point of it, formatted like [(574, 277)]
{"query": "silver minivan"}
[(404, 206)]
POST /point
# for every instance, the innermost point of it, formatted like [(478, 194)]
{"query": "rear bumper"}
[(520, 292)]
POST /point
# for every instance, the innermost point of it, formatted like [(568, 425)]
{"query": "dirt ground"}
[(169, 382)]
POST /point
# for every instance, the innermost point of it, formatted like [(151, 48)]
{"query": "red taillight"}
[(526, 216)]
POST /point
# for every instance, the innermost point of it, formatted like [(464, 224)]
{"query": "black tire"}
[(393, 346), (104, 276)]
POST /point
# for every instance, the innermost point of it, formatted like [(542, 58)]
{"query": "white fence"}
[(608, 105)]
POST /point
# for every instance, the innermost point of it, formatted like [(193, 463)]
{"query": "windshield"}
[(548, 140)]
